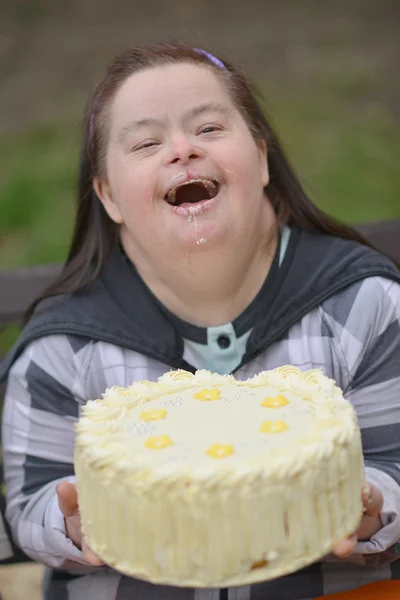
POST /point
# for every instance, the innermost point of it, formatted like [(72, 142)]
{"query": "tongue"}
[(191, 193)]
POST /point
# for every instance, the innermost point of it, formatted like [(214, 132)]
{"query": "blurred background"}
[(329, 72)]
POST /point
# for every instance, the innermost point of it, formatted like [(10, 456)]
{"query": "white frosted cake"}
[(202, 480)]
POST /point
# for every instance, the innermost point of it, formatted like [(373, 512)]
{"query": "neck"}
[(213, 286)]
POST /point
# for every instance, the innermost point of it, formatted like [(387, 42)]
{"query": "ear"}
[(103, 191), (262, 153)]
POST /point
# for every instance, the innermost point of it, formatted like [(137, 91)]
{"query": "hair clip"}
[(211, 57)]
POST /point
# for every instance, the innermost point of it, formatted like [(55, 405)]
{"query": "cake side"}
[(195, 519)]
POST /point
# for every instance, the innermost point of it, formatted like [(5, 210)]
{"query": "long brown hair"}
[(95, 234)]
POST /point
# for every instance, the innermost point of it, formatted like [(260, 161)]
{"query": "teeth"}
[(208, 184), (171, 197)]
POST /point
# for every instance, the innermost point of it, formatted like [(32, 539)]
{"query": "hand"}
[(68, 503), (372, 500)]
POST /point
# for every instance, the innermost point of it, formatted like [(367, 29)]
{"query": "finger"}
[(345, 547), (372, 499), (368, 527), (90, 556), (67, 498)]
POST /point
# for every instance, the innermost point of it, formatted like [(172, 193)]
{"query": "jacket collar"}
[(118, 308)]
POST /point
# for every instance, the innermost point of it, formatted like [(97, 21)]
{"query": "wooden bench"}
[(19, 287)]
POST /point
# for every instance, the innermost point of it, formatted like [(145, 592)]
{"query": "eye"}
[(145, 145), (210, 129)]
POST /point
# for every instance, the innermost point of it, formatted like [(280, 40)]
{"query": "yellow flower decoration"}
[(276, 402), (220, 450), (153, 415), (273, 427), (208, 395), (158, 443)]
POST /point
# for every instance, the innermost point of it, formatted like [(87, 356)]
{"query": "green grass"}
[(345, 150), (37, 189)]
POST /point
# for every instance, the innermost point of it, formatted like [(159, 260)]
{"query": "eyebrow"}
[(205, 107), (190, 114)]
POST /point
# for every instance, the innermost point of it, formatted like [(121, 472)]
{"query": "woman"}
[(196, 247)]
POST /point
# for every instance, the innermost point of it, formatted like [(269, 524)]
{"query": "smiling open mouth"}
[(192, 192)]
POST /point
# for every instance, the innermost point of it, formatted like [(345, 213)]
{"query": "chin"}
[(209, 238)]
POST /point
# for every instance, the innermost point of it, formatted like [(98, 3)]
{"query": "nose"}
[(182, 150)]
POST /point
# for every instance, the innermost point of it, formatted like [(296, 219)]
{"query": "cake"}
[(200, 480)]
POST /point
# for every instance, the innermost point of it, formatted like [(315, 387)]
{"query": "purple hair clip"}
[(211, 57)]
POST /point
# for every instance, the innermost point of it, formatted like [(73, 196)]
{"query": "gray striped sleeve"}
[(366, 322), (42, 403)]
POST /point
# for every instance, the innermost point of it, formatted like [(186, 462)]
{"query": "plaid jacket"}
[(353, 336)]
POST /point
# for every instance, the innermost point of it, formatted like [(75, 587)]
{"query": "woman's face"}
[(183, 173)]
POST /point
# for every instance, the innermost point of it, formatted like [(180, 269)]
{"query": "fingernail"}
[(366, 494)]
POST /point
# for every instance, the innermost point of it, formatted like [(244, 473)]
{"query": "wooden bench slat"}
[(18, 288), (385, 236)]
